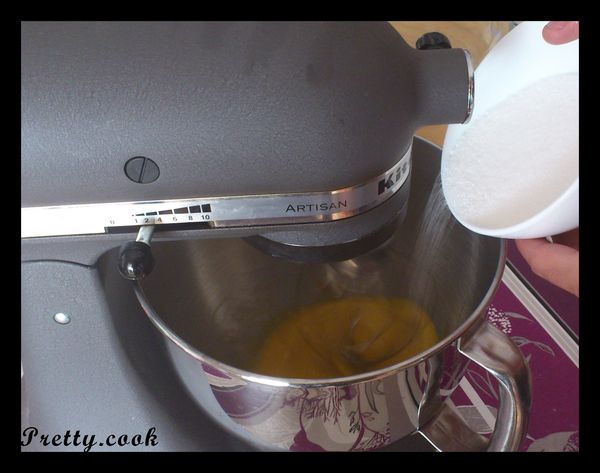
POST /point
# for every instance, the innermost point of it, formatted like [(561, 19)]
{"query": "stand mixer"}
[(295, 137)]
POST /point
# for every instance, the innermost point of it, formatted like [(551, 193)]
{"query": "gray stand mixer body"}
[(251, 130)]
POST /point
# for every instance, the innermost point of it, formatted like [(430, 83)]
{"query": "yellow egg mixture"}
[(345, 337)]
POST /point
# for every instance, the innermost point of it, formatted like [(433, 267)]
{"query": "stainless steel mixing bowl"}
[(214, 300)]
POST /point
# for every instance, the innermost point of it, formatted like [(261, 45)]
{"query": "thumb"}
[(561, 32), (558, 264)]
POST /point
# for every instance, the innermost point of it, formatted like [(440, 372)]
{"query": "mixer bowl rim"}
[(475, 317)]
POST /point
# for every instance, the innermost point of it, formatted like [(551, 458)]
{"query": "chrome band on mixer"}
[(471, 87), (230, 211)]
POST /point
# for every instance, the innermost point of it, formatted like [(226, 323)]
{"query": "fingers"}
[(560, 32), (556, 263)]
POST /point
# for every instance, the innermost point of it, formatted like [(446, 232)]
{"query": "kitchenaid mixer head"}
[(294, 135)]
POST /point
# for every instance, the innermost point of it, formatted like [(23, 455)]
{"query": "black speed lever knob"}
[(135, 260), (433, 40), (135, 257)]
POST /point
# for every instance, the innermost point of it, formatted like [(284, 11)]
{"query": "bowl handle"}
[(494, 351)]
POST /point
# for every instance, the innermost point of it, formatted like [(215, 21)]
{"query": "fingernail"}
[(557, 25)]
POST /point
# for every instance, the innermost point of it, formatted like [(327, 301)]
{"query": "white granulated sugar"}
[(518, 158)]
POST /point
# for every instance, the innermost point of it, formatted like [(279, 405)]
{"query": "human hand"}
[(560, 32), (557, 262)]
